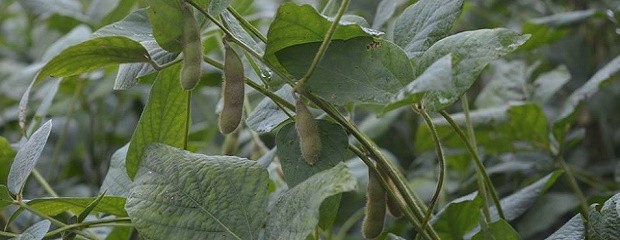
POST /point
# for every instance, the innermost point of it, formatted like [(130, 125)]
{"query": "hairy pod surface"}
[(392, 205), (308, 132), (233, 92), (372, 225), (192, 49)]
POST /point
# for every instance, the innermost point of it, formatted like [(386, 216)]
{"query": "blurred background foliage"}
[(571, 40)]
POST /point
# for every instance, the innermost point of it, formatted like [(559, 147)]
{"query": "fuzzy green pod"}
[(192, 49), (372, 225), (233, 92), (308, 132), (393, 207)]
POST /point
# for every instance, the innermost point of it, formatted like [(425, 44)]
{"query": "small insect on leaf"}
[(233, 92), (372, 225), (192, 49), (308, 132)]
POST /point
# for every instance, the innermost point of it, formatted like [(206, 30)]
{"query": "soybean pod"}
[(372, 225), (308, 132), (233, 92), (192, 49)]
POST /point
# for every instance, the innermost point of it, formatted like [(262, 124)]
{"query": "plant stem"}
[(392, 192), (583, 202), (247, 25), (399, 180), (440, 159), (477, 161), (85, 224), (472, 139), (188, 120), (46, 186), (327, 39), (53, 220), (7, 234)]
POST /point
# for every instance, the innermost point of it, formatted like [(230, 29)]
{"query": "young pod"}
[(192, 49), (233, 92), (393, 207), (308, 132), (372, 225)]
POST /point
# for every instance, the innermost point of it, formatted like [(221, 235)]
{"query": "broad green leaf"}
[(334, 147), (565, 18), (93, 54), (605, 224), (518, 202), (135, 27), (458, 217), (573, 229), (359, 70), (54, 206), (503, 129), (116, 181), (424, 23), (498, 230), (567, 115), (34, 232), (547, 84), (555, 206), (5, 197), (239, 32), (296, 213), (507, 83), (181, 195), (163, 120), (214, 7), (6, 158), (266, 116), (294, 25), (471, 51), (27, 157), (433, 88), (541, 35), (166, 20), (91, 206), (385, 10)]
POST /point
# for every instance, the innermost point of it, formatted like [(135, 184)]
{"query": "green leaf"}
[(214, 7), (498, 230), (572, 105), (296, 213), (54, 206), (181, 195), (359, 70), (5, 197), (605, 224), (35, 232), (163, 120), (433, 88), (458, 217), (93, 54), (503, 129), (554, 205), (424, 23), (266, 116), (471, 52), (508, 82), (27, 157), (547, 84), (6, 158), (541, 35), (573, 229), (294, 25), (518, 202), (334, 141), (90, 208), (385, 10), (166, 20), (116, 181), (136, 26)]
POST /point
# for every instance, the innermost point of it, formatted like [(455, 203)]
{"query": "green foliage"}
[(522, 98)]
